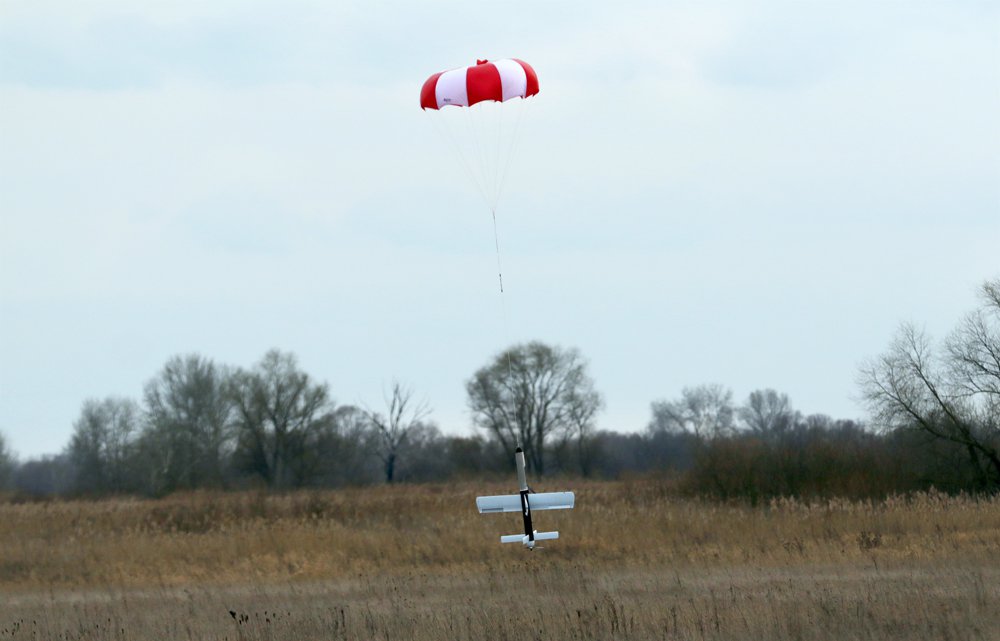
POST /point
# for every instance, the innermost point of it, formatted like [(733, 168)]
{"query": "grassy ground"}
[(419, 563)]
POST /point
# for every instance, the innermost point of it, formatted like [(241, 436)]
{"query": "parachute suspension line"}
[(503, 303), (512, 147), (479, 156), (504, 156), (466, 157), (448, 134), (477, 161), (496, 160), (496, 242)]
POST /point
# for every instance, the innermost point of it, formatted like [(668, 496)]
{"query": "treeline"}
[(204, 425), (122, 447), (935, 422), (806, 456)]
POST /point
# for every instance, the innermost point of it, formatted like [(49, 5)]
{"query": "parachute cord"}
[(450, 137), (503, 303), (496, 241), (496, 199), (512, 148)]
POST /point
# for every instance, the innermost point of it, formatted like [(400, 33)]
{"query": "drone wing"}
[(512, 502), (497, 504), (552, 501)]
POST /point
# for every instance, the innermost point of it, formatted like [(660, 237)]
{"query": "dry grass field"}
[(418, 562)]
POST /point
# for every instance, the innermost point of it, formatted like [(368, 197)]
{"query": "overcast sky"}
[(754, 194)]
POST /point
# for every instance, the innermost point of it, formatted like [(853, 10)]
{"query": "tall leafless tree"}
[(950, 394), (280, 412), (766, 412), (102, 444), (531, 393), (189, 423), (403, 417), (705, 411), (973, 352), (584, 405), (346, 450)]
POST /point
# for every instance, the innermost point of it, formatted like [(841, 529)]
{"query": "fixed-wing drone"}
[(525, 502)]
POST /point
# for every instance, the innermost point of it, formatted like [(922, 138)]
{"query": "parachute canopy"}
[(497, 81)]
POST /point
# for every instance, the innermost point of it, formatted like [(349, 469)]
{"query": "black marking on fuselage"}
[(526, 513)]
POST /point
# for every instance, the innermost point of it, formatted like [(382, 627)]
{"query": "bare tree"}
[(345, 450), (584, 404), (424, 455), (531, 393), (705, 411), (7, 463), (280, 413), (973, 352), (766, 412), (189, 423), (102, 444), (953, 394), (402, 418)]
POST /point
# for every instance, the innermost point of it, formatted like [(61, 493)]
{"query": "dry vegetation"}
[(417, 562)]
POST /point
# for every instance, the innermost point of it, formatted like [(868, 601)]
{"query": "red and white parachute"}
[(499, 81), (483, 131)]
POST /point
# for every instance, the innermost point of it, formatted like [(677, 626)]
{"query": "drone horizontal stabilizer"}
[(523, 538)]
